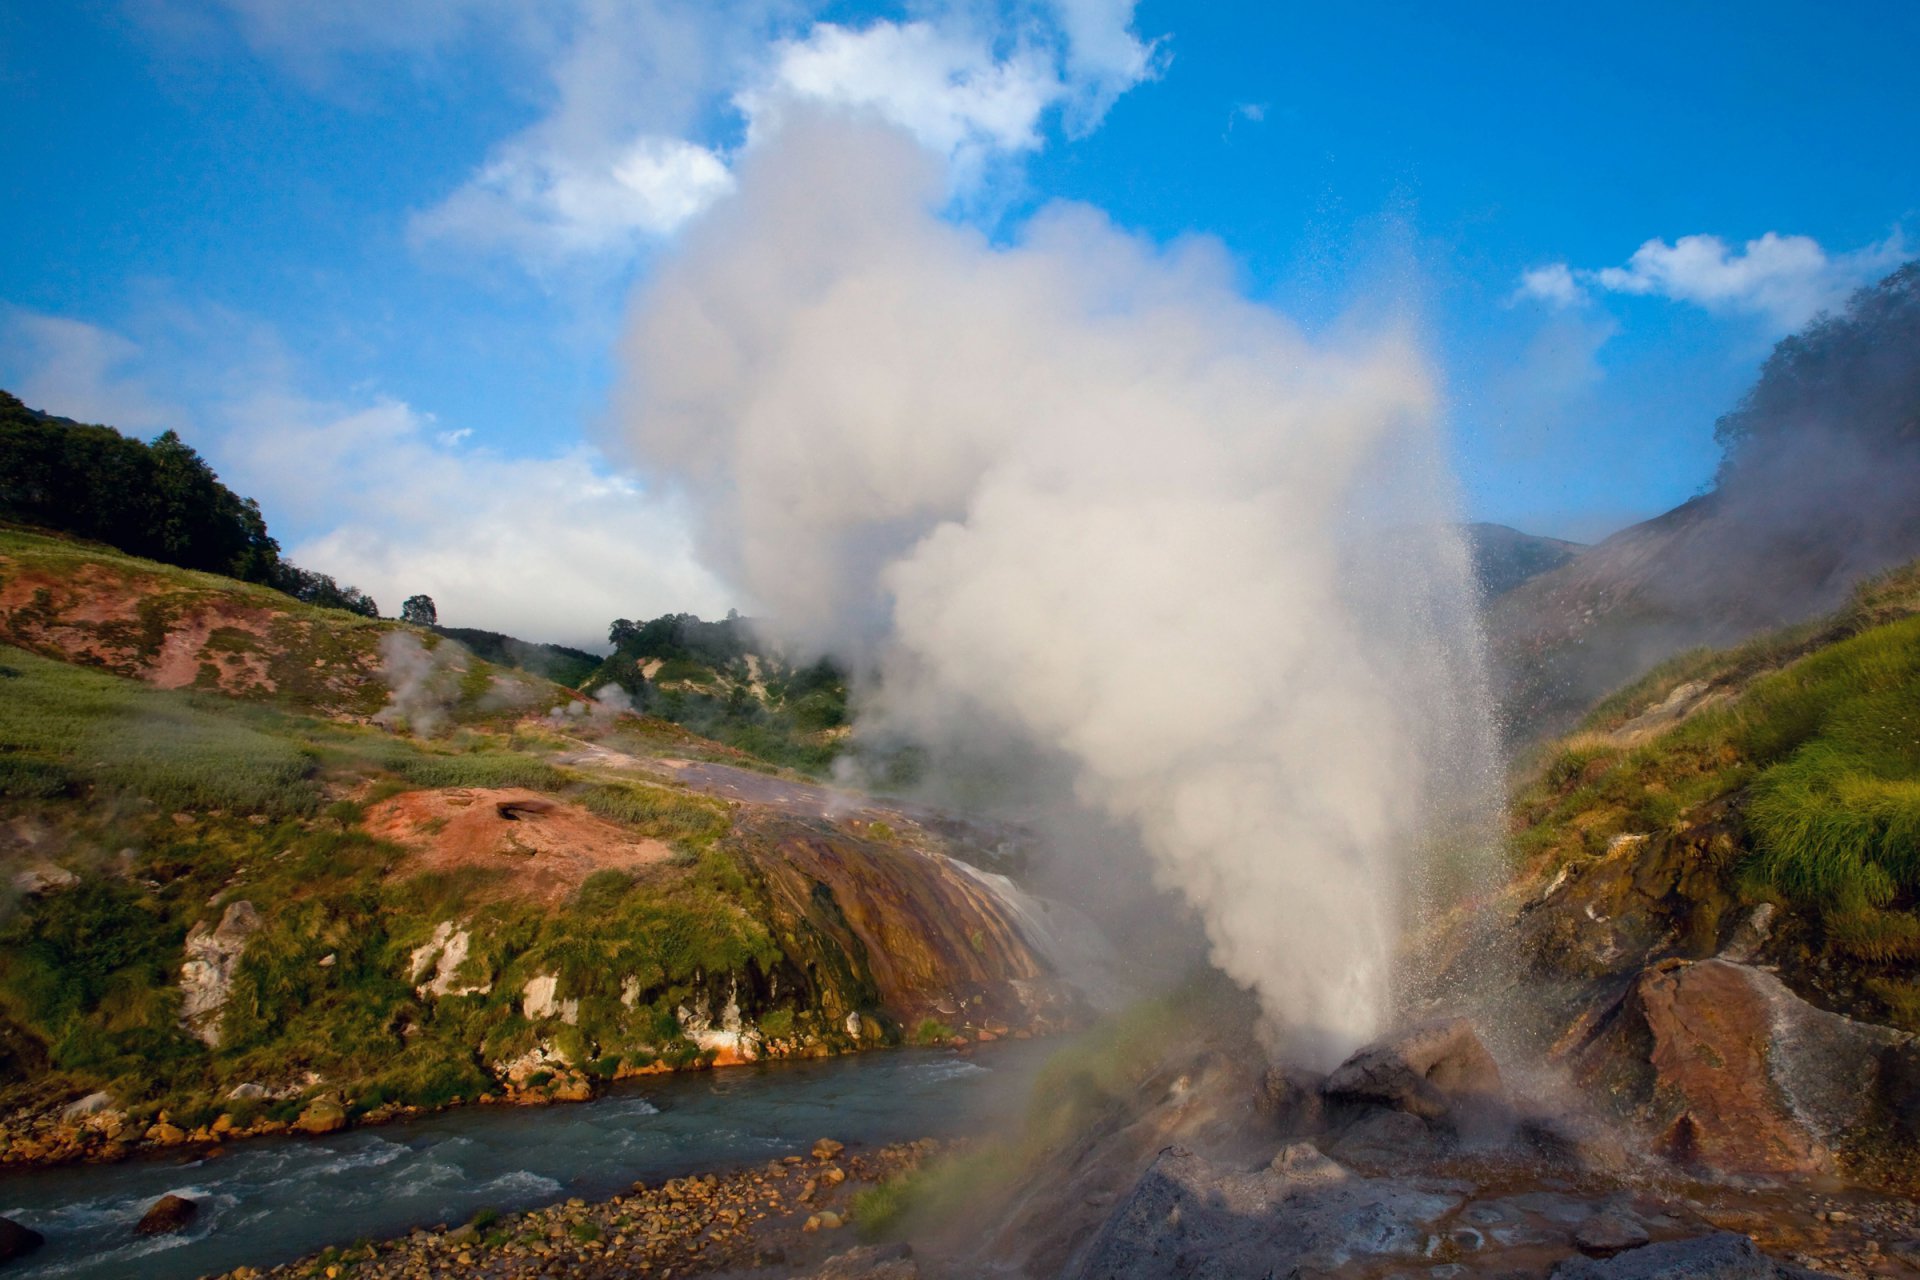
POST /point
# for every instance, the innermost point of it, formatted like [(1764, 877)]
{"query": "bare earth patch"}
[(545, 847)]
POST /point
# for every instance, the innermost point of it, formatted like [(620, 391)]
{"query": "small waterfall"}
[(1071, 944)]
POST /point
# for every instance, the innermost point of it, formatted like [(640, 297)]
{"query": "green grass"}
[(661, 812), (1813, 755), (67, 730)]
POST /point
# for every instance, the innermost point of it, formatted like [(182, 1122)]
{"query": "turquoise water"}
[(271, 1200)]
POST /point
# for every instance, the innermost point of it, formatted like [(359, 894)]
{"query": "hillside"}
[(1504, 558), (1819, 487), (271, 864)]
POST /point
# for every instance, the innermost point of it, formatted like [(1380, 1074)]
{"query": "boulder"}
[(206, 976), (91, 1105), (827, 1149), (1437, 1071), (168, 1214), (17, 1241), (322, 1115), (43, 878), (1725, 1255)]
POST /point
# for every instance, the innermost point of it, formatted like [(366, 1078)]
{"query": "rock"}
[(91, 1105), (1742, 1076), (434, 966), (1437, 1071), (43, 877), (1189, 1217), (246, 1091), (168, 1214), (1750, 935), (17, 1241), (1724, 1255), (1387, 1139), (206, 977), (1605, 1234), (1899, 1081), (1291, 1096), (323, 1115), (539, 999), (1303, 1162), (827, 1149), (869, 1262)]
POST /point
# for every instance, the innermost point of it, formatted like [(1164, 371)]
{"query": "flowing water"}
[(271, 1200)]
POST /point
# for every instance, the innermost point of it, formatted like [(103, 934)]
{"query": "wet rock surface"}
[(17, 1241), (167, 1215), (1724, 1255)]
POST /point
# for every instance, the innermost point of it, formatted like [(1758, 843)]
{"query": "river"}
[(270, 1200)]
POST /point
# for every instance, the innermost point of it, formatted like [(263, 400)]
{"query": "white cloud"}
[(78, 371), (541, 203), (547, 548), (635, 96), (550, 547), (945, 88), (1786, 279), (1552, 283)]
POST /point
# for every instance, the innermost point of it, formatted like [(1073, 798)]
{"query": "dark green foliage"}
[(160, 501), (717, 680), (419, 610), (320, 589), (1854, 375)]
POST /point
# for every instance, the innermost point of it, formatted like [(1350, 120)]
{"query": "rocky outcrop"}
[(1721, 1256), (1189, 1216), (434, 966), (324, 1114), (723, 1034), (1437, 1070), (206, 978), (1733, 1072), (540, 1000)]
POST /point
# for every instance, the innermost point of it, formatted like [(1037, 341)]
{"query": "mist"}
[(1077, 495)]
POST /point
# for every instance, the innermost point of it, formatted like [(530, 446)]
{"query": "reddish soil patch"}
[(544, 846)]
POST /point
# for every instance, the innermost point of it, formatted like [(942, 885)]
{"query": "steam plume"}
[(1079, 493)]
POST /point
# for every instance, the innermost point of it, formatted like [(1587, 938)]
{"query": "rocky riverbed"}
[(791, 1214)]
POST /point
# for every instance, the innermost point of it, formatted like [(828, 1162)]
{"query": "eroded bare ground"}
[(532, 845)]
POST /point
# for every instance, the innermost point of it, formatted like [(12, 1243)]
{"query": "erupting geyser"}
[(1079, 492)]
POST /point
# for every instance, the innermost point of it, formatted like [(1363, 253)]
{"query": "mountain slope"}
[(1504, 557)]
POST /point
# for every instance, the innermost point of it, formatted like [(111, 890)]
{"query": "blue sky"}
[(373, 257)]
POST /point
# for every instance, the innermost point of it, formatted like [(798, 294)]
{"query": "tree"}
[(419, 611)]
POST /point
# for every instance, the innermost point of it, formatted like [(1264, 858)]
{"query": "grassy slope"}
[(172, 803), (1803, 761)]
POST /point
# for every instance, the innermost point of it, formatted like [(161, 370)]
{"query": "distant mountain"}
[(1504, 557)]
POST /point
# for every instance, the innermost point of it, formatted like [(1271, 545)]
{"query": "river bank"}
[(792, 1212), (55, 1138), (269, 1201)]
